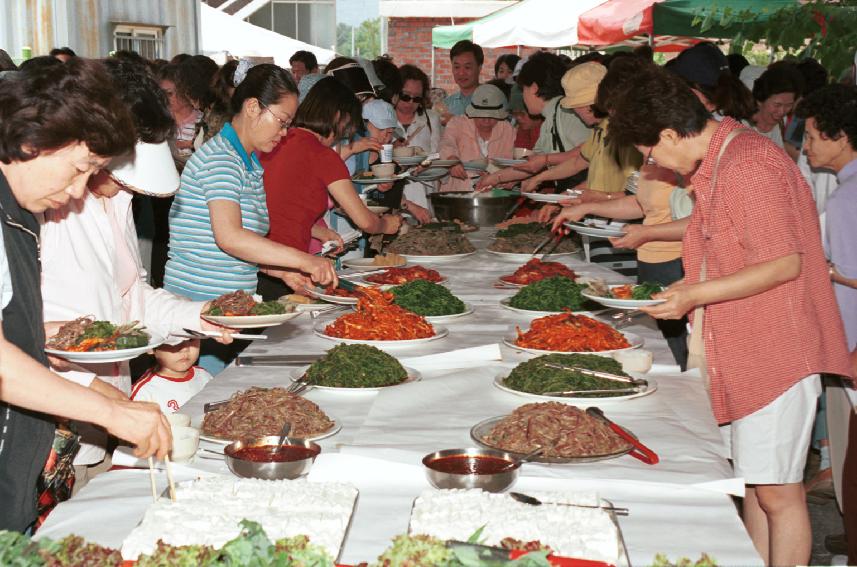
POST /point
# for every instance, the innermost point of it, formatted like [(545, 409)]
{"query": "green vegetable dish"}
[(534, 377), (551, 294), (356, 366), (645, 290), (427, 299)]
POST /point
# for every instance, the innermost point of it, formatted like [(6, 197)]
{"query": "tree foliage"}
[(367, 39), (824, 30)]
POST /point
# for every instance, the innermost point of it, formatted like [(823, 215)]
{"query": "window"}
[(311, 21), (148, 41)]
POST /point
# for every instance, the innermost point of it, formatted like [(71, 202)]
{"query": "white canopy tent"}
[(537, 23), (223, 35)]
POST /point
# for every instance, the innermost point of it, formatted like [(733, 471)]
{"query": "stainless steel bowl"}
[(270, 470), (480, 209), (493, 482)]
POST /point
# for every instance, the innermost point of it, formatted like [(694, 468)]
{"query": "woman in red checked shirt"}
[(765, 319)]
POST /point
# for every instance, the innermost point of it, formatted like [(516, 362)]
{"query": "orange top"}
[(653, 193)]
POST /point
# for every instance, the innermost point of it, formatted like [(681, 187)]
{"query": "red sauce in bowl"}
[(266, 454), (470, 464)]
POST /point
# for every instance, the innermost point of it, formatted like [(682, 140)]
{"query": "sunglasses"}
[(405, 97)]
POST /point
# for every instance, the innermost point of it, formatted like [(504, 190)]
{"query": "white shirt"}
[(428, 138), (79, 279), (5, 278), (170, 393)]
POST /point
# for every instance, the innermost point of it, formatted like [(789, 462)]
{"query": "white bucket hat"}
[(150, 171), (487, 102)]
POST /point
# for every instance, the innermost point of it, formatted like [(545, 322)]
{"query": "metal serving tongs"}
[(533, 501), (598, 374)]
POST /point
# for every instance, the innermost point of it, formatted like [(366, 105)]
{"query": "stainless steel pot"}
[(480, 209)]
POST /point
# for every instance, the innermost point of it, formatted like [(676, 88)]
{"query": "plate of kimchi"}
[(240, 310), (571, 333), (88, 340), (399, 276), (536, 270), (379, 321)]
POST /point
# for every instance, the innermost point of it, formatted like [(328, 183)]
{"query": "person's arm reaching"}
[(234, 239), (344, 194), (29, 385)]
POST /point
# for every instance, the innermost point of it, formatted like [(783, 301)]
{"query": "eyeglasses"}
[(649, 159), (405, 97), (284, 124)]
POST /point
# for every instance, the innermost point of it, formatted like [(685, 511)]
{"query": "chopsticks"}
[(168, 468)]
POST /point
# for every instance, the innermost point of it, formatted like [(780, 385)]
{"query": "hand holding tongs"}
[(639, 451)]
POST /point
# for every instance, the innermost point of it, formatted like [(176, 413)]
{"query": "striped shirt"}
[(219, 170)]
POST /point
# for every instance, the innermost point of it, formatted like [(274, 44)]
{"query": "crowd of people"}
[(136, 190)]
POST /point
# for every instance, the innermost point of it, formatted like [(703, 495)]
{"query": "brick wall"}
[(409, 41)]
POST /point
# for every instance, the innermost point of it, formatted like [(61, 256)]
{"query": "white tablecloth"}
[(679, 506)]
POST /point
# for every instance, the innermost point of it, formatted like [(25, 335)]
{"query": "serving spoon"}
[(533, 501), (284, 432)]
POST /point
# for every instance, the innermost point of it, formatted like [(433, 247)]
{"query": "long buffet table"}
[(680, 506)]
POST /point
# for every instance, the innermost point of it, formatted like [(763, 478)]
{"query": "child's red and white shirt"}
[(170, 393)]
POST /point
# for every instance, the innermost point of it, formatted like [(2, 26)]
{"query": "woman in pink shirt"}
[(481, 134)]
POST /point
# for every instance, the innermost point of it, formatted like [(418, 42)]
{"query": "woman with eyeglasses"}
[(422, 129), (219, 218)]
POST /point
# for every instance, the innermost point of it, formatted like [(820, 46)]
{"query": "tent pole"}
[(651, 41), (432, 65), (518, 50)]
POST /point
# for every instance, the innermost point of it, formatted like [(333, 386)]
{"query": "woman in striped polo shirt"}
[(219, 218)]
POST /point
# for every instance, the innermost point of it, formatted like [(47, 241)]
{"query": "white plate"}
[(377, 209), (197, 422), (331, 298), (363, 281), (583, 401), (108, 355), (505, 303), (550, 197), (504, 283), (362, 263), (468, 309), (445, 259), (251, 321), (507, 162), (307, 307), (373, 180), (636, 341), (621, 303), (318, 329), (413, 376), (408, 160), (431, 174), (444, 162), (475, 165), (601, 231), (521, 257)]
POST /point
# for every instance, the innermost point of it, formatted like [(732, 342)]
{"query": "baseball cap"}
[(701, 64), (380, 113)]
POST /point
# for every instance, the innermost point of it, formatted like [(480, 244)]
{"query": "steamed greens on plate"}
[(427, 299), (550, 294), (356, 366), (534, 377)]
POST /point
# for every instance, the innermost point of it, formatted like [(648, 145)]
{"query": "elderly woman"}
[(481, 133), (420, 125), (58, 126), (776, 92), (765, 322)]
